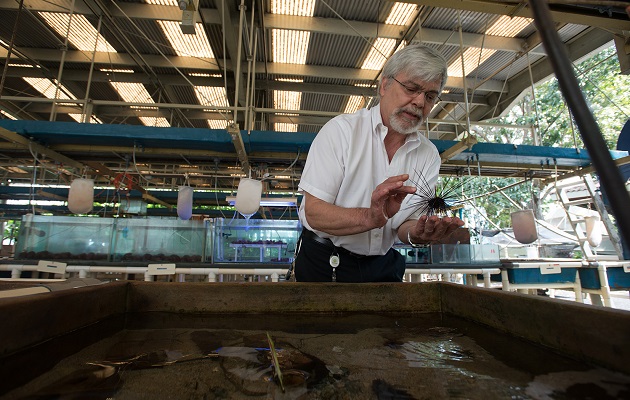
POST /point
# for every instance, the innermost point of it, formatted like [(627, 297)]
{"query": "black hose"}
[(609, 174)]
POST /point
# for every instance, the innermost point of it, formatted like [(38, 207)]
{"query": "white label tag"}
[(161, 269), (626, 268), (550, 269), (51, 267)]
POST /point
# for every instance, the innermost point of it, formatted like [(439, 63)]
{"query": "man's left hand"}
[(434, 229)]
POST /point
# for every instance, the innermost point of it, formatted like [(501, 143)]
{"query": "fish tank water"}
[(255, 240), (343, 356), (113, 239), (160, 240), (55, 237)]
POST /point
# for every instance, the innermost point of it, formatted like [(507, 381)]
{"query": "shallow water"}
[(426, 356)]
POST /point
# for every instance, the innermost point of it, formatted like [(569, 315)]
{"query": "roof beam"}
[(29, 144), (566, 15)]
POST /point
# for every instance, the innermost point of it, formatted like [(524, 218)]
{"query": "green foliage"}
[(606, 92)]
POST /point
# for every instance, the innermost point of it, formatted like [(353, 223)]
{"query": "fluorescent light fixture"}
[(269, 201)]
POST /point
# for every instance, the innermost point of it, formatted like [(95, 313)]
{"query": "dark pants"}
[(313, 265)]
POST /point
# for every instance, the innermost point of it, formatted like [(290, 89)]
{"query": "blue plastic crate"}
[(533, 275), (617, 278)]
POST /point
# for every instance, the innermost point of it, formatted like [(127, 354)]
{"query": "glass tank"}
[(159, 240), (53, 237), (255, 240), (112, 239)]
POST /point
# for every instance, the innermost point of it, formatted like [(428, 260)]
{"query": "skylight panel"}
[(508, 27), (155, 121), (77, 117), (117, 70), (289, 46), (218, 123), (286, 100), (212, 96), (132, 92), (163, 2), (285, 127), (400, 14), (82, 33), (7, 115), (354, 103), (187, 45), (48, 88), (303, 8), (378, 54), (475, 56)]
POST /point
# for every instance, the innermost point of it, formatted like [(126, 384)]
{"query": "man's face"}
[(406, 102)]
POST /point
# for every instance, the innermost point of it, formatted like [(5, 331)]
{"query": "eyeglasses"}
[(430, 96)]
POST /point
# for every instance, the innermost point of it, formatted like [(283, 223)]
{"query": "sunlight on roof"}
[(378, 54), (304, 8), (117, 70), (284, 127), (218, 123), (196, 45), (212, 96), (475, 56), (48, 88), (163, 2), (354, 103), (132, 92), (289, 46), (77, 117), (155, 121), (82, 34), (285, 100), (401, 14), (7, 115), (204, 75)]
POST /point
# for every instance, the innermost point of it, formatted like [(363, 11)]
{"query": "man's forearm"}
[(335, 220)]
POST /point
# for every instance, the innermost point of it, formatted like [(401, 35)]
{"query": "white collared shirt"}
[(347, 160)]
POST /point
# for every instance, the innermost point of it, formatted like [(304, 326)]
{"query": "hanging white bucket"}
[(593, 230), (248, 197), (524, 226), (184, 202), (81, 196)]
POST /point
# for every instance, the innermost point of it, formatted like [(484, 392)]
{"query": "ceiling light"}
[(187, 45), (285, 127), (304, 8)]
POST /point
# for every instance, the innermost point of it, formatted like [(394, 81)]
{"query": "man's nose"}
[(419, 99)]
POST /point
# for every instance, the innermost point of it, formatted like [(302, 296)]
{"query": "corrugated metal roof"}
[(338, 44)]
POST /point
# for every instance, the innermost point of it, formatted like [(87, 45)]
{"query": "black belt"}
[(310, 235)]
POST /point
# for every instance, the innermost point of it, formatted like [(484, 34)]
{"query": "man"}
[(356, 179)]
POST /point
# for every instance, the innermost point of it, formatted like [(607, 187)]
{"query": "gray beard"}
[(402, 126)]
